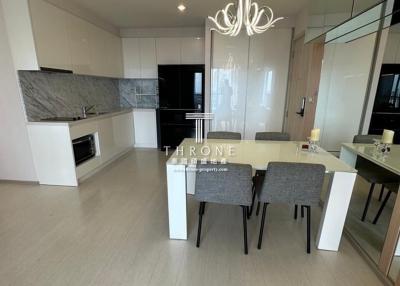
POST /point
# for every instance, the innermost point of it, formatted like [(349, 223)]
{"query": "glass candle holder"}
[(313, 146)]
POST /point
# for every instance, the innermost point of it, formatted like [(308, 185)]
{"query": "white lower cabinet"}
[(145, 128), (52, 148)]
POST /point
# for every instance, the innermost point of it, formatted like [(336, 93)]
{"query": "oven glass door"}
[(84, 149)]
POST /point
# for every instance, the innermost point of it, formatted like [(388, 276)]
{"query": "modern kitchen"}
[(182, 142)]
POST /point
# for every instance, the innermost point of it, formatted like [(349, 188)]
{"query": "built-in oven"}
[(84, 148)]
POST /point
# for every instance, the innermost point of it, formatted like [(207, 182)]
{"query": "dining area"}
[(271, 177), (254, 173)]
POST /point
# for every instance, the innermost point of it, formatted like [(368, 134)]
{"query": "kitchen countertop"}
[(82, 121)]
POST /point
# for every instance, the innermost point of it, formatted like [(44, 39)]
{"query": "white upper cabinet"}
[(79, 44), (65, 41), (139, 57), (192, 50), (175, 51), (50, 33), (148, 58), (131, 55), (168, 51)]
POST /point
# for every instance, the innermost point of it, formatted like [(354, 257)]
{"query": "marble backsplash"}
[(48, 95), (139, 93)]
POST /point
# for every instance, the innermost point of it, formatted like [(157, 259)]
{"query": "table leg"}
[(335, 211), (176, 180)]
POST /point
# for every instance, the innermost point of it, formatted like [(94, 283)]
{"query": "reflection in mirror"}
[(344, 80), (362, 5), (388, 103), (395, 267), (354, 18), (375, 191), (370, 234), (325, 15)]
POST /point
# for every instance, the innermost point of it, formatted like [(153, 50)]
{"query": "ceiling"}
[(164, 13)]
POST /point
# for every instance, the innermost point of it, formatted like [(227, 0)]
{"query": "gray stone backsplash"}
[(56, 94), (139, 93)]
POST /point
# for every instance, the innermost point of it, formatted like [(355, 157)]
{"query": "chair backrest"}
[(224, 135), (224, 183), (272, 136), (292, 183), (366, 139)]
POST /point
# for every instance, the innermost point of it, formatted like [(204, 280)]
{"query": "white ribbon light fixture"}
[(256, 20)]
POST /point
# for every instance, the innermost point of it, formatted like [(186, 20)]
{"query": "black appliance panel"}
[(192, 83), (169, 86), (181, 86), (181, 91), (380, 121), (388, 93)]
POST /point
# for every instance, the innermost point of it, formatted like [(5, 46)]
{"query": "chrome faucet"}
[(86, 109)]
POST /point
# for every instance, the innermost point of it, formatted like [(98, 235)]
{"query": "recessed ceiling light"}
[(181, 7)]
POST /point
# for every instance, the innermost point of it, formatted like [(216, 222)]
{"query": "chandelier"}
[(256, 19)]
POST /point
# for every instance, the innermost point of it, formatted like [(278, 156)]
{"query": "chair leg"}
[(381, 193), (252, 203), (295, 211), (308, 228), (201, 212), (382, 207), (371, 190), (302, 211), (262, 226), (258, 209), (245, 211)]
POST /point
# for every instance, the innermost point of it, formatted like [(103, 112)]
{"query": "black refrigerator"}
[(181, 91), (386, 111)]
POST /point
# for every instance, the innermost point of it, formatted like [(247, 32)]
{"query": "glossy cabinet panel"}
[(140, 59), (131, 54), (229, 82), (192, 51), (50, 33), (65, 41), (78, 34), (267, 81), (168, 51), (249, 81), (148, 59)]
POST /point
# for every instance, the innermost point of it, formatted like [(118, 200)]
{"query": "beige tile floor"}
[(113, 230)]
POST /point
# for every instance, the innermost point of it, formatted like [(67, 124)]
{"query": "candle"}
[(387, 137), (315, 134)]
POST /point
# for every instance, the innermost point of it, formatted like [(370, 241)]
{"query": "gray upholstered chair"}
[(266, 136), (371, 172), (224, 135), (392, 188), (224, 184), (291, 183), (272, 136)]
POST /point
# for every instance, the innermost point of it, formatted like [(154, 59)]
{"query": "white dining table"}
[(181, 178)]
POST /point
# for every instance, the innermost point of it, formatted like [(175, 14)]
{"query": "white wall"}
[(16, 161), (301, 23), (344, 79)]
